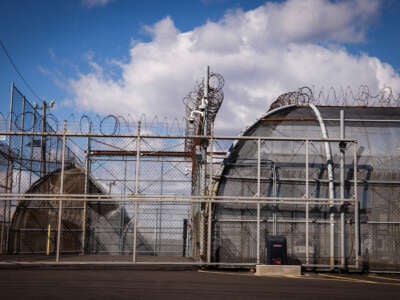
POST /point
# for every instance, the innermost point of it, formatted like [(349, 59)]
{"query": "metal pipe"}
[(3, 227), (307, 233), (209, 222), (173, 197), (9, 176), (174, 137), (258, 168), (367, 120), (204, 109), (48, 239), (275, 195), (137, 171), (356, 209), (307, 204), (43, 140), (61, 193), (31, 146), (258, 195), (155, 235), (270, 220), (329, 162), (211, 164), (206, 85), (160, 207), (303, 180), (122, 211), (86, 190), (209, 233), (383, 222), (21, 149), (307, 169), (342, 164)]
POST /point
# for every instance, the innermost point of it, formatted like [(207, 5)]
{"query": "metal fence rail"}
[(167, 237), (132, 201)]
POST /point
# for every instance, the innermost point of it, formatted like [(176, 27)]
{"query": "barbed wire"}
[(117, 124), (106, 125), (193, 101), (340, 97)]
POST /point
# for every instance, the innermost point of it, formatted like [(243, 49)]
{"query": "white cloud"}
[(94, 3), (275, 48)]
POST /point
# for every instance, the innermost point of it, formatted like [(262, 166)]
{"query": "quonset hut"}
[(279, 171), (106, 225)]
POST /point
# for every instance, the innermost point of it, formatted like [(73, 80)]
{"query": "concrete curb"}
[(278, 270), (94, 266)]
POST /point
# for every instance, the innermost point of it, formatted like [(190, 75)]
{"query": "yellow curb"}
[(383, 277)]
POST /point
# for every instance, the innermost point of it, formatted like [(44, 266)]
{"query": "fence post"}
[(356, 210), (61, 192), (307, 232), (258, 233), (209, 221), (307, 202), (3, 226), (258, 195), (137, 171), (9, 177), (87, 174), (48, 240), (210, 192), (342, 148)]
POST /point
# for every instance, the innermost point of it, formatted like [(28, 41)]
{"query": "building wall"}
[(283, 165)]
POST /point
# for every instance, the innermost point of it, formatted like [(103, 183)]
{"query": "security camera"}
[(194, 112), (203, 105), (191, 120)]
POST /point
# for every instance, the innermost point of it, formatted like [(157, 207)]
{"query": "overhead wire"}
[(17, 70)]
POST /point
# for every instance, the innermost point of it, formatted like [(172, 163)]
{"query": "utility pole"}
[(204, 107), (204, 145), (43, 140), (201, 112)]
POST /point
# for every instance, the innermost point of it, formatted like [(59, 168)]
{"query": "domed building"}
[(290, 155), (106, 224)]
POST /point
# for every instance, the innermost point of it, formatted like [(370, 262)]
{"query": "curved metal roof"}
[(377, 130)]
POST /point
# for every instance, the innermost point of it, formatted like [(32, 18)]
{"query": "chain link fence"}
[(138, 206), (116, 192)]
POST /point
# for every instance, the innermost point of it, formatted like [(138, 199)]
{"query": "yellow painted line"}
[(326, 277), (246, 274), (225, 273), (348, 279), (383, 277), (293, 276), (388, 283)]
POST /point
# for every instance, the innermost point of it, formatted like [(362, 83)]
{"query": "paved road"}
[(156, 284)]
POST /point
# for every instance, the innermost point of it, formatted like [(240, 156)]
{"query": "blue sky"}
[(58, 35), (139, 57)]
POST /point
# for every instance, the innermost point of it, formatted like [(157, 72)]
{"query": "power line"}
[(18, 72)]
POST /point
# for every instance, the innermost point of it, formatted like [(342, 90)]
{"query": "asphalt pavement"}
[(190, 284)]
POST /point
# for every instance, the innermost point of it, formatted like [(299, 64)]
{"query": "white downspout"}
[(329, 162)]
